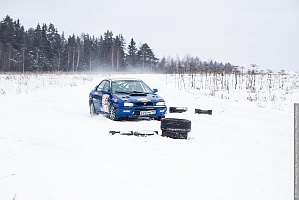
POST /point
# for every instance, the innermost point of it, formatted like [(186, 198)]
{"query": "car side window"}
[(101, 86), (106, 87)]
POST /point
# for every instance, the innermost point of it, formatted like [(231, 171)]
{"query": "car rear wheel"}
[(92, 110)]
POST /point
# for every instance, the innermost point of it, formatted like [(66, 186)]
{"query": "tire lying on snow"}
[(175, 128), (199, 111), (135, 133), (177, 109)]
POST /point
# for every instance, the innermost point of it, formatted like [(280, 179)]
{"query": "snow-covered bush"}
[(19, 83), (253, 87)]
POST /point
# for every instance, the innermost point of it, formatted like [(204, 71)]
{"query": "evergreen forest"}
[(44, 49)]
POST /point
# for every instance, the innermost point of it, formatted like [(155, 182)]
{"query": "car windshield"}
[(130, 86)]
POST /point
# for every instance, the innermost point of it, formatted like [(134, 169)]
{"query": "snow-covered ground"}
[(50, 147)]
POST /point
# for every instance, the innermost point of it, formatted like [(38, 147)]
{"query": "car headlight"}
[(162, 103), (128, 104)]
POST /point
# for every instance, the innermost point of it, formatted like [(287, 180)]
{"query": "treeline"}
[(44, 49), (193, 65)]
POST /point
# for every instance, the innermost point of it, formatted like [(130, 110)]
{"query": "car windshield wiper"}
[(122, 92), (138, 92)]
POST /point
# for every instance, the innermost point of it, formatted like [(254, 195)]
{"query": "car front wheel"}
[(112, 114)]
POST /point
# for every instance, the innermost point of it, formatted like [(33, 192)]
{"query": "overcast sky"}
[(242, 32)]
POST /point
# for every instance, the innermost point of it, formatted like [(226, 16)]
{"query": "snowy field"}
[(50, 147)]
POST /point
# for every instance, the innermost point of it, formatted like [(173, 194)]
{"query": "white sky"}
[(242, 32)]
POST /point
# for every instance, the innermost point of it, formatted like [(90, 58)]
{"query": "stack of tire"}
[(175, 128)]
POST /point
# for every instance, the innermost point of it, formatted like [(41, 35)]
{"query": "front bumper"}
[(136, 112)]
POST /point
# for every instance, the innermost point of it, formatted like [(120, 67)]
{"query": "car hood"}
[(139, 97)]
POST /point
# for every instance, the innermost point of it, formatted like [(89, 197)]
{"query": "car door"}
[(105, 97), (97, 96)]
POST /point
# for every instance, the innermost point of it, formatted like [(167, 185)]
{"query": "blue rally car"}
[(126, 98)]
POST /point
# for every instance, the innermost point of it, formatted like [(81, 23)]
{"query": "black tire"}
[(121, 133), (92, 110), (177, 109), (175, 125), (112, 115), (175, 135), (145, 133), (199, 111)]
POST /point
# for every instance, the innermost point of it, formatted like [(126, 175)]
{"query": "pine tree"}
[(162, 65), (147, 57), (64, 53), (100, 52), (107, 49), (71, 45), (46, 49), (37, 49), (19, 35), (57, 50), (119, 45), (6, 40), (32, 55), (132, 57), (51, 41)]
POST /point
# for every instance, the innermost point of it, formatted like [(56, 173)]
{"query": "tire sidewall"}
[(112, 114), (176, 124), (92, 109)]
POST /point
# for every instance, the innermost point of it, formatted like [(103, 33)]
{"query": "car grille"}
[(144, 104)]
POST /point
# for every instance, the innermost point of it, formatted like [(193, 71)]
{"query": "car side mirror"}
[(99, 88), (155, 90)]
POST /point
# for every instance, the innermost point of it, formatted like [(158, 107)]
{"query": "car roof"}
[(123, 79)]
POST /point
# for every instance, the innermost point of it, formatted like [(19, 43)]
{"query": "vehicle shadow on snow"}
[(106, 118)]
